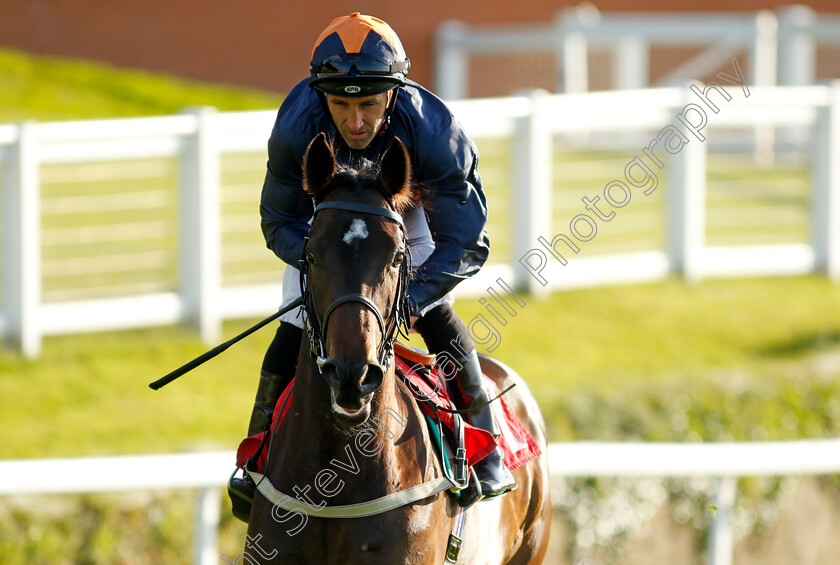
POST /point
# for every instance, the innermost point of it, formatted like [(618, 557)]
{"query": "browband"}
[(363, 208)]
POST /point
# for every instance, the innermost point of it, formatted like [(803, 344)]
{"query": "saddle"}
[(460, 445)]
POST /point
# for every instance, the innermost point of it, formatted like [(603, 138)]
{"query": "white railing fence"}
[(208, 472), (543, 252), (198, 140), (781, 47)]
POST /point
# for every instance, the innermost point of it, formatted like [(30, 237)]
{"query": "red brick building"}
[(267, 43)]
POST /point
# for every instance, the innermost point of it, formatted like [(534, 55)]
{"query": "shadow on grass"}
[(803, 344)]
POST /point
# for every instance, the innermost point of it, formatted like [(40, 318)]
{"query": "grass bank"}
[(50, 88)]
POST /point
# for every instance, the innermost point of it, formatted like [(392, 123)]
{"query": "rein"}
[(316, 328)]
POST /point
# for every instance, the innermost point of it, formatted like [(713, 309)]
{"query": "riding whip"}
[(220, 348)]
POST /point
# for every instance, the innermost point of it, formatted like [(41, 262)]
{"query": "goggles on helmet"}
[(357, 64)]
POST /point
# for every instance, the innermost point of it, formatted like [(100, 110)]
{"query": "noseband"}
[(316, 327)]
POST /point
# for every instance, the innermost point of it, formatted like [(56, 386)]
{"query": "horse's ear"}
[(318, 165), (395, 170)]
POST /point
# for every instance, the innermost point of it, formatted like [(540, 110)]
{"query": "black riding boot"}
[(241, 490), (268, 391), (493, 477), (278, 369)]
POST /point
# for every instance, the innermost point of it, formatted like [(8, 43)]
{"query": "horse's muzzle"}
[(352, 387)]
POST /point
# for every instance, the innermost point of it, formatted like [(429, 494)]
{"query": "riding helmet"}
[(356, 56)]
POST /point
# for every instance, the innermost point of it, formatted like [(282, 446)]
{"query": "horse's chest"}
[(401, 536)]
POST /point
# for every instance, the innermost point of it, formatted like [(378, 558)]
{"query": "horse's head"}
[(354, 271)]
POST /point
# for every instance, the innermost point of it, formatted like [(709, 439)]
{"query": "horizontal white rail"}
[(210, 471), (571, 459), (121, 473), (732, 459)]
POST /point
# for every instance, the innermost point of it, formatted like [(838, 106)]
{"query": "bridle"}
[(316, 327)]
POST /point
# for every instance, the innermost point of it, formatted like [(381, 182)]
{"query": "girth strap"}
[(453, 544), (360, 510)]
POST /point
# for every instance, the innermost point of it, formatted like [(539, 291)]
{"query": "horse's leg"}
[(531, 502), (534, 544)]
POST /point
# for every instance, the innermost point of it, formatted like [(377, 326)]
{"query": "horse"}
[(352, 431)]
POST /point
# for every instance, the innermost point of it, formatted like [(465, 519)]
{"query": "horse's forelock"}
[(365, 176)]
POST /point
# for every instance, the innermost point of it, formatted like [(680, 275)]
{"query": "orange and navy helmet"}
[(358, 55)]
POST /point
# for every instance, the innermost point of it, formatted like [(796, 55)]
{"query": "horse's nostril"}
[(331, 374), (371, 379), (361, 378)]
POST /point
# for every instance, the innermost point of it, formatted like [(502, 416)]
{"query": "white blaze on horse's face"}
[(358, 230)]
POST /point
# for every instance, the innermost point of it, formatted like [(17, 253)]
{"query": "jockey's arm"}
[(457, 219)]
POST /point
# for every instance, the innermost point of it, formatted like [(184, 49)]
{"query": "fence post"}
[(205, 539), (764, 73), (797, 47), (825, 187), (452, 68), (531, 195), (575, 66), (686, 209), (797, 63), (200, 251), (22, 242), (764, 49), (721, 540), (630, 63), (571, 35)]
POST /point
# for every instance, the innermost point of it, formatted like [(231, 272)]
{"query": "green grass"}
[(666, 330), (88, 394), (49, 88), (631, 347)]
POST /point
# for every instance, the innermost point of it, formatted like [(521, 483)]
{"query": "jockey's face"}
[(358, 119)]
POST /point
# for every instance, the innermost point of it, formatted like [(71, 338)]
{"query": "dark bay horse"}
[(352, 432)]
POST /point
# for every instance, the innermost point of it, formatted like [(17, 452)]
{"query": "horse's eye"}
[(310, 258), (399, 258)]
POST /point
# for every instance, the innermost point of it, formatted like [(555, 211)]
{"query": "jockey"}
[(358, 94)]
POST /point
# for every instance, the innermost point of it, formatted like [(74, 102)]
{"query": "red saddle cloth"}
[(249, 446), (430, 390), (427, 386)]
